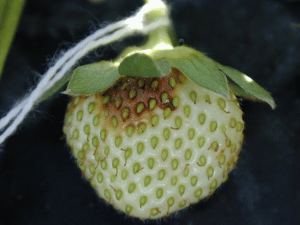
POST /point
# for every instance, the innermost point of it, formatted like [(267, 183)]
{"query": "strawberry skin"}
[(153, 146)]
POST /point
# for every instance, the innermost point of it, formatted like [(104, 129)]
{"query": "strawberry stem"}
[(159, 38)]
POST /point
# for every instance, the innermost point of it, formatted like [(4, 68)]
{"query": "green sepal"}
[(197, 67), (213, 76), (142, 65), (92, 78), (246, 87), (237, 90)]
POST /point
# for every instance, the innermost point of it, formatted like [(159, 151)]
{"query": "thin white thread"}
[(5, 120), (109, 34)]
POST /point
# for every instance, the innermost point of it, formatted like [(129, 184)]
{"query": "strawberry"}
[(153, 143), (159, 128)]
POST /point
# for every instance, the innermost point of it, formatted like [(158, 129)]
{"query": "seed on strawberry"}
[(153, 146)]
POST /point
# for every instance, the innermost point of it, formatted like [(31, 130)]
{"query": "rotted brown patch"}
[(121, 97), (231, 164)]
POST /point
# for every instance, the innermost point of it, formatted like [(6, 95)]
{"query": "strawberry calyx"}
[(156, 58), (202, 70)]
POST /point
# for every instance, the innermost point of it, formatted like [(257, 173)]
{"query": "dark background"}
[(40, 183)]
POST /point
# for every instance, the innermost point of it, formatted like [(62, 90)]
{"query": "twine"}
[(111, 33)]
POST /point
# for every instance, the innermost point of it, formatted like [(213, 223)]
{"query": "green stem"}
[(10, 11), (161, 35), (161, 38), (158, 38)]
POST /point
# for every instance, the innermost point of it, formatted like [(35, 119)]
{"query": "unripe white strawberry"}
[(153, 146)]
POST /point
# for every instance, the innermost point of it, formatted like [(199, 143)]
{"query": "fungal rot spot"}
[(125, 104)]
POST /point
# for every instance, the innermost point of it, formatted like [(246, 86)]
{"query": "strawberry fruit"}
[(158, 129), (153, 146)]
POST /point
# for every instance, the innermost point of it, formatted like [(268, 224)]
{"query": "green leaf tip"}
[(56, 87), (244, 86), (142, 65), (92, 78)]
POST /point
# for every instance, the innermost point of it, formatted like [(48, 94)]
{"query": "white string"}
[(104, 36)]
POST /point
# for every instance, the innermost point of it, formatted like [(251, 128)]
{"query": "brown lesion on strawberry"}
[(133, 99), (231, 164)]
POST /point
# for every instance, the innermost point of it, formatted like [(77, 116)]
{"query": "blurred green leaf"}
[(10, 12)]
